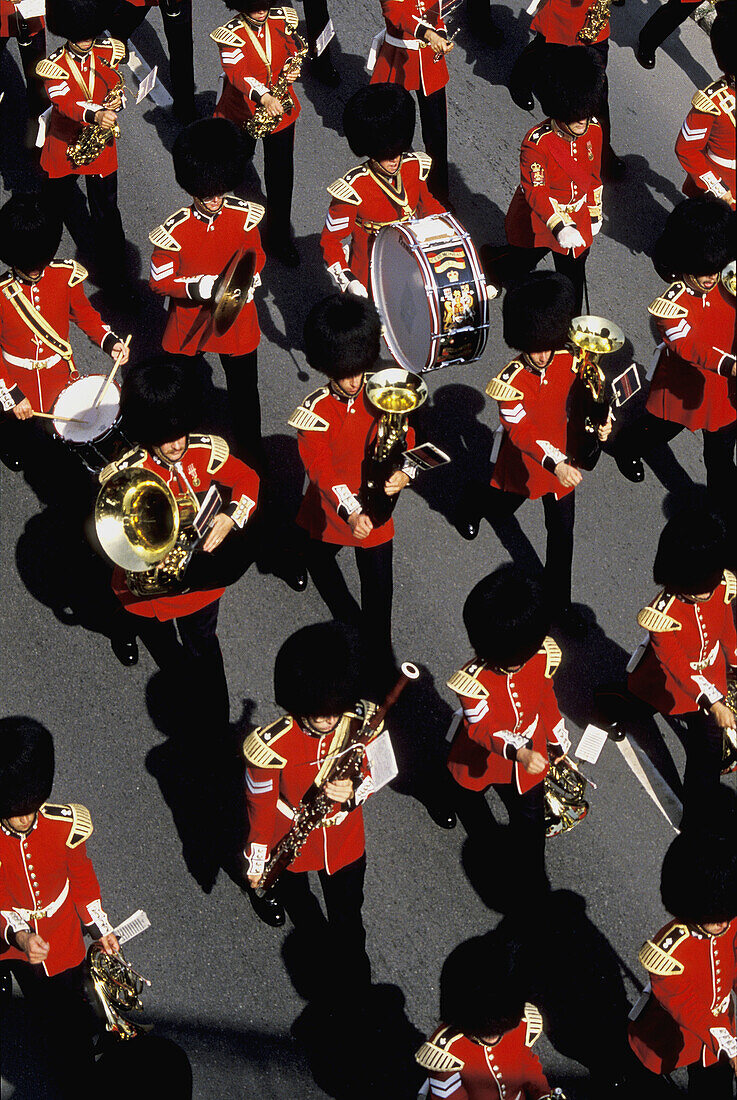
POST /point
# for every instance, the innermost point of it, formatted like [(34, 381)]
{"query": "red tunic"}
[(282, 761), (504, 712), (705, 144), (681, 664), (560, 185), (402, 57), (190, 244), (334, 434), (46, 866), (691, 383), (533, 435), (505, 1070), (362, 202), (7, 11), (76, 88), (252, 62), (562, 21), (58, 296), (688, 1017), (206, 460)]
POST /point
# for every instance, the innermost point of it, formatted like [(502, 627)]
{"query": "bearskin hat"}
[(480, 991), (692, 553), (210, 157), (30, 232), (569, 83), (537, 312), (159, 400), (342, 335), (379, 121), (698, 239), (723, 32), (245, 6), (506, 617), (78, 20), (26, 766), (698, 881), (317, 671)]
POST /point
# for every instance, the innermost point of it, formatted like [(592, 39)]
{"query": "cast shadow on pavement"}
[(633, 216), (328, 103), (19, 168), (294, 291), (492, 64)]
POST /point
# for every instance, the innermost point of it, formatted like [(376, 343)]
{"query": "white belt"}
[(382, 37), (721, 161), (39, 914), (31, 364), (403, 43)]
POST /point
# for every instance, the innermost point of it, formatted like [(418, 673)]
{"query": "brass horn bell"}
[(596, 335), (394, 391), (136, 519), (729, 278)]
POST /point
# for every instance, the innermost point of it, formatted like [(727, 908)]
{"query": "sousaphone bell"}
[(395, 393)]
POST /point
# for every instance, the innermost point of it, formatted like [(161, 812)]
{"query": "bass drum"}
[(430, 292)]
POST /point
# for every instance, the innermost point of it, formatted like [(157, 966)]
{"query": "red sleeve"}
[(253, 244), (244, 484), (428, 203), (262, 793), (339, 224), (84, 889), (729, 640), (318, 464), (556, 731), (681, 338), (237, 65), (481, 727), (536, 187), (683, 999), (165, 278), (446, 1086), (691, 144), (86, 317), (525, 434), (66, 97), (536, 1084), (671, 655)]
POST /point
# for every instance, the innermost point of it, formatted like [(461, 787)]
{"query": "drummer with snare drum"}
[(389, 187), (38, 298)]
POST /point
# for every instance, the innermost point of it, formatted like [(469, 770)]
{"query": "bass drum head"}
[(77, 400), (399, 293)]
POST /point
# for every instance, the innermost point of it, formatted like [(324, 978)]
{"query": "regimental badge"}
[(589, 150), (537, 173), (192, 471)]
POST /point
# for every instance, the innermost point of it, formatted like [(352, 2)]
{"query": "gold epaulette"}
[(254, 210), (465, 681), (534, 1022), (49, 70), (657, 957), (304, 419), (424, 162), (161, 235), (433, 1055), (730, 585), (216, 445), (343, 190), (666, 305), (226, 36), (77, 273), (500, 388), (257, 746), (6, 278), (655, 616), (117, 47), (540, 131), (135, 457), (289, 16), (554, 656), (76, 816)]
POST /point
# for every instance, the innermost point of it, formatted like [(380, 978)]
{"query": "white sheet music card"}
[(146, 86), (534, 6), (591, 744), (138, 922), (381, 760), (31, 9)]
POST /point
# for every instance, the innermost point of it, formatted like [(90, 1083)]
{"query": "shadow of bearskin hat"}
[(342, 335), (317, 671), (480, 991), (698, 881), (379, 121), (723, 35), (698, 239), (30, 232), (692, 553), (78, 20), (210, 157), (537, 312), (569, 82), (26, 766), (159, 401), (506, 617)]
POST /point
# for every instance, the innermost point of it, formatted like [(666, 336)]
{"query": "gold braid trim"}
[(257, 746), (554, 656), (465, 682), (433, 1056)]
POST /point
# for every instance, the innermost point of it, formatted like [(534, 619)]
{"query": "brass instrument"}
[(563, 791), (729, 737), (395, 393), (114, 989), (729, 278), (92, 139), (594, 337), (262, 122), (596, 19)]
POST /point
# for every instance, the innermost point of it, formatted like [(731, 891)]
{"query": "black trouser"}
[(278, 183), (434, 123), (317, 18), (241, 376), (32, 49), (343, 940), (663, 23), (701, 778), (176, 16), (711, 1082), (107, 243), (517, 262)]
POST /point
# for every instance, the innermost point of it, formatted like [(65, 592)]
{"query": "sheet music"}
[(591, 744), (381, 760), (138, 922), (146, 85)]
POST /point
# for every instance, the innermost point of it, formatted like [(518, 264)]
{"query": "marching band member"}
[(320, 33), (79, 77), (257, 49), (558, 203), (379, 123), (317, 682), (176, 17), (31, 38), (48, 893), (193, 247), (659, 26), (336, 426), (681, 666), (535, 438), (411, 51), (510, 713), (705, 144), (38, 299), (160, 405), (686, 1015)]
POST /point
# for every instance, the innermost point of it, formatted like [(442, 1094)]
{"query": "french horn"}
[(114, 989)]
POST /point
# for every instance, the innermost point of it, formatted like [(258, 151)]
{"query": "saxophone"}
[(92, 139), (262, 122), (596, 18)]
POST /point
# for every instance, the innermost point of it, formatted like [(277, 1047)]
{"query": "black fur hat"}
[(78, 20), (26, 766), (342, 335), (506, 617), (210, 157), (159, 400), (379, 121), (698, 239), (537, 312), (570, 82), (698, 880), (723, 32), (30, 232), (245, 6), (317, 671), (480, 992), (692, 553)]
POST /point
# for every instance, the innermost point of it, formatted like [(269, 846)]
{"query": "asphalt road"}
[(220, 987)]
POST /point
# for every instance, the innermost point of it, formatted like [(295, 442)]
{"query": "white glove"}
[(200, 288), (255, 282), (354, 287), (595, 227), (569, 237), (339, 277)]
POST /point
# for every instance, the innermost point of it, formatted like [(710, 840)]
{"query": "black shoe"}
[(613, 168), (9, 460), (522, 98), (126, 650), (266, 908), (443, 816), (468, 528), (631, 468), (645, 58), (284, 251), (296, 578), (323, 70)]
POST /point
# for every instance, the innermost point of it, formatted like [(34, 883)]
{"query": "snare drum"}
[(94, 432), (430, 291)]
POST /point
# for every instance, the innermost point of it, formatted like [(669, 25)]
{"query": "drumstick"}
[(66, 419), (110, 377)]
